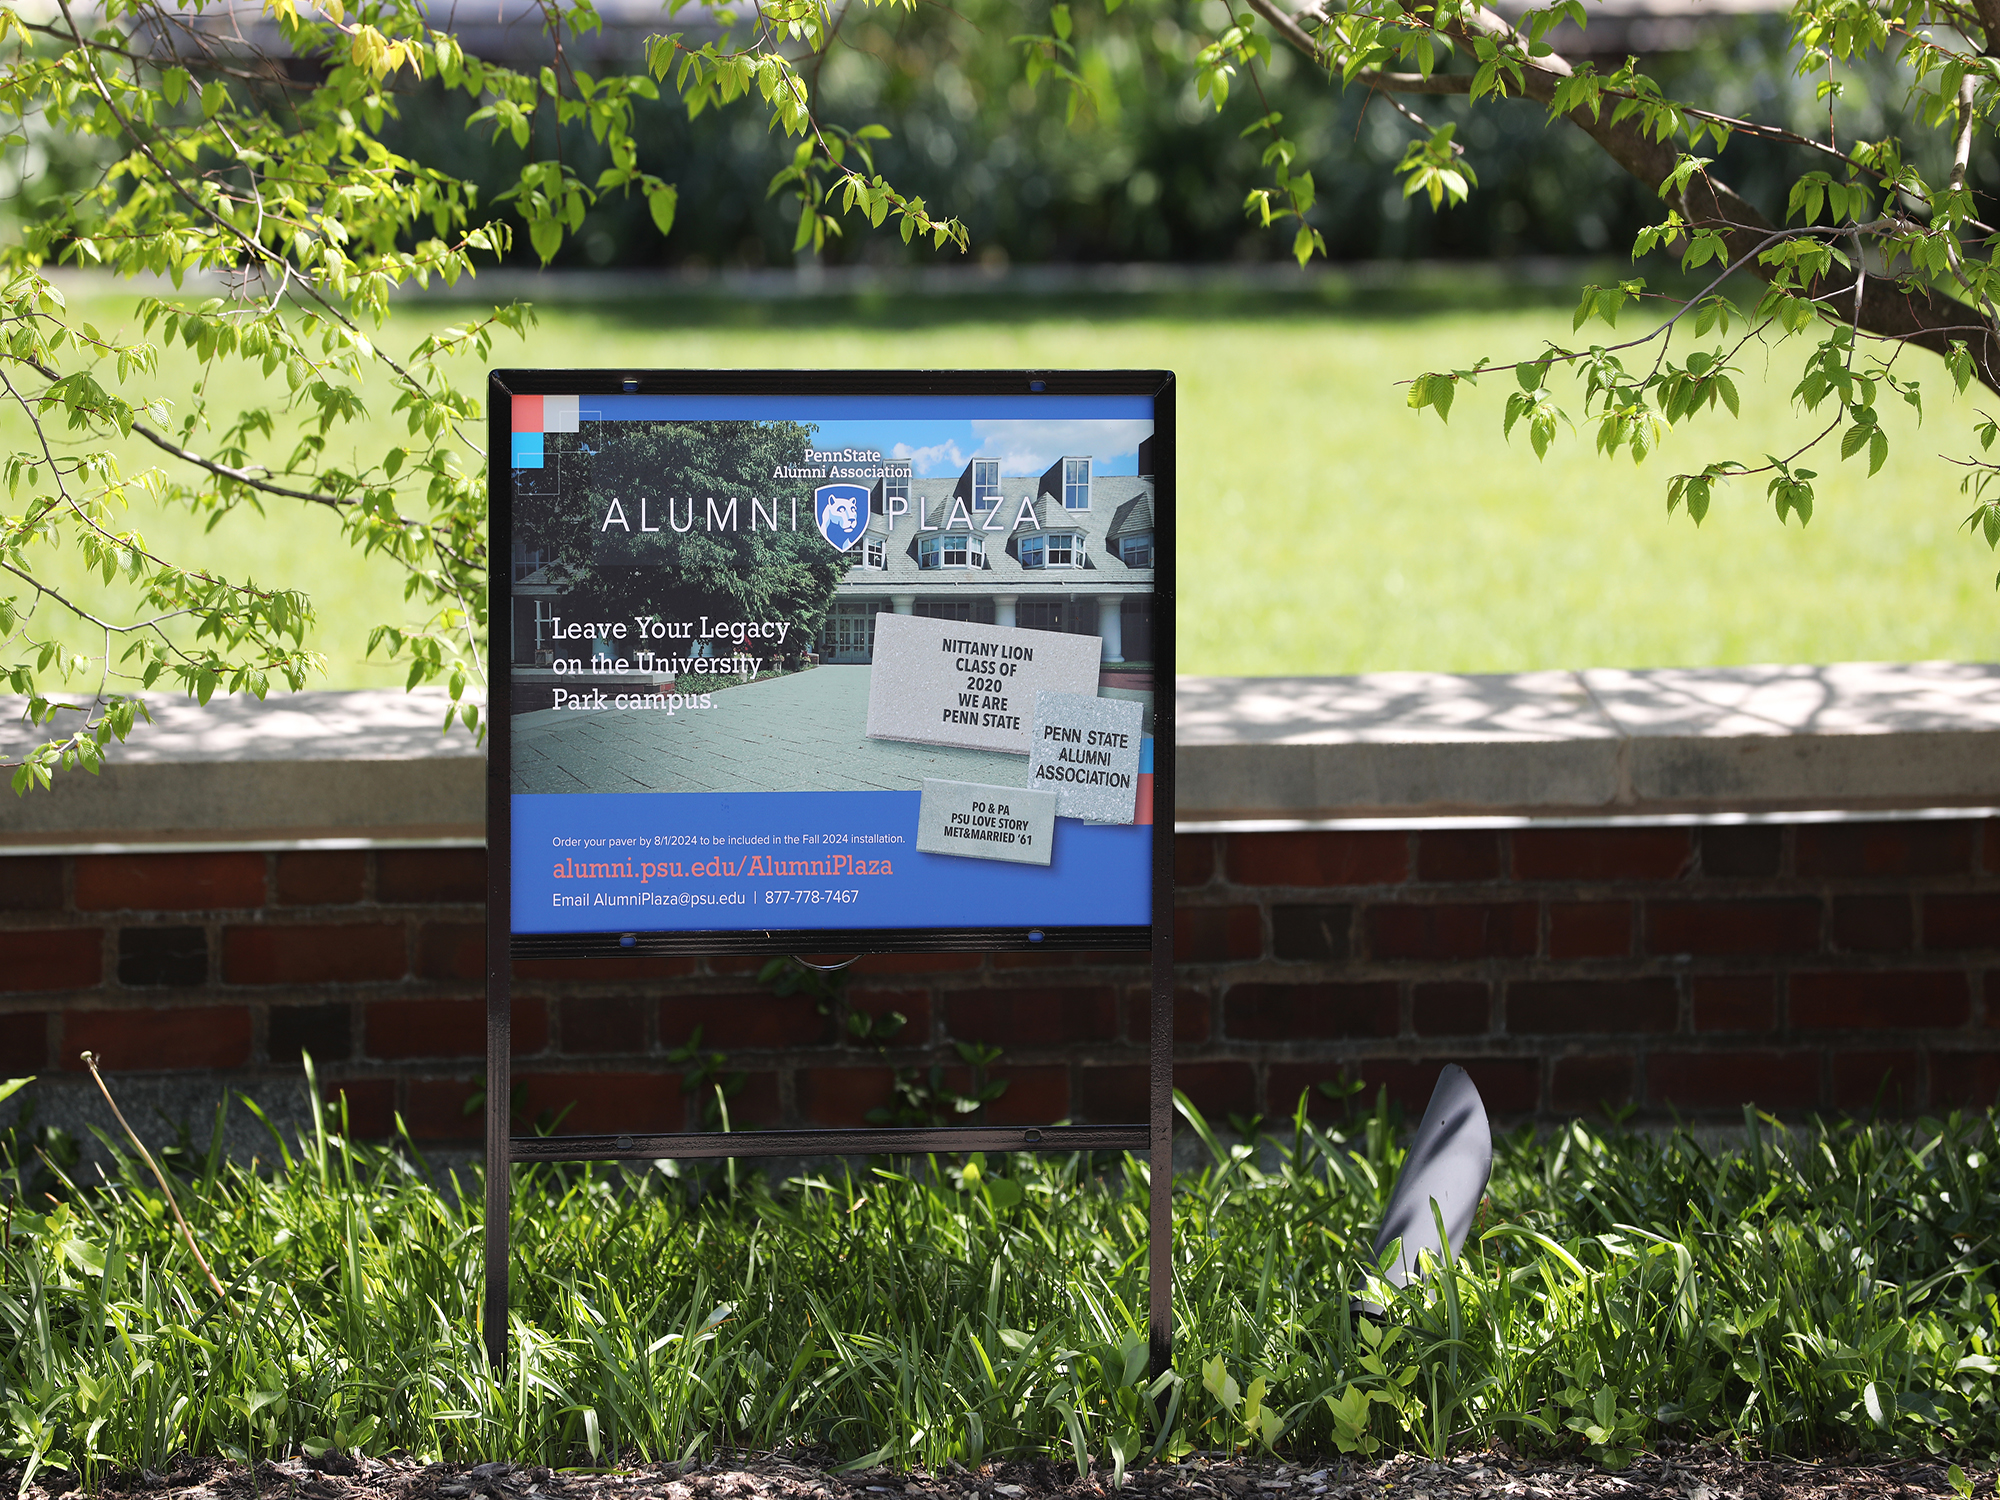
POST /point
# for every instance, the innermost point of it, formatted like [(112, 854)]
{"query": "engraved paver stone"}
[(986, 822), (952, 682), (1086, 751)]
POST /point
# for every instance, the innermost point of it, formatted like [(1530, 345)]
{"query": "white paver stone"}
[(1087, 752), (986, 822), (951, 682)]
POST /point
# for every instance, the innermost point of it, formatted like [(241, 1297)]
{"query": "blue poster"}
[(830, 662)]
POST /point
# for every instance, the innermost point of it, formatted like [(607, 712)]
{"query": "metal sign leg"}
[(499, 1169), (1160, 1205)]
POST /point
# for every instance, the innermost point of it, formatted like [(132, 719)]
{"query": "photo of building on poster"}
[(953, 609)]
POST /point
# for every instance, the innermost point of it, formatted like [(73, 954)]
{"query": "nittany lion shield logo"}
[(842, 513)]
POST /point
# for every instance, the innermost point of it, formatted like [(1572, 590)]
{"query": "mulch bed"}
[(1677, 1471)]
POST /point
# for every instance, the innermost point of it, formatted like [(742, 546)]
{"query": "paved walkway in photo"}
[(801, 733)]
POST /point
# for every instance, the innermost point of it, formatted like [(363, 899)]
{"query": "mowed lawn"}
[(1325, 527)]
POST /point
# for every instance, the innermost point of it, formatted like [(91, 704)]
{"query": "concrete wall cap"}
[(1604, 743)]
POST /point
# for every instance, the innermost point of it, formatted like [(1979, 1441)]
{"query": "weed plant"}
[(1813, 1289)]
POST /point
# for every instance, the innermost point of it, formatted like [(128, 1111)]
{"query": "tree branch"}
[(1882, 306), (1961, 155), (1989, 21)]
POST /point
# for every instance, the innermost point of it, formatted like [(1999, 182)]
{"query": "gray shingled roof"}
[(1120, 505)]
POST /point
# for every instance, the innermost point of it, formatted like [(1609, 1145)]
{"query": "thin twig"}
[(90, 1062)]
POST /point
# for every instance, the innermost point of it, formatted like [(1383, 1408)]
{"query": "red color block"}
[(1601, 853), (31, 884), (1458, 854), (914, 1006), (371, 1106), (169, 882), (1033, 1018), (1874, 924), (1122, 1094), (1444, 933), (603, 1023), (452, 950), (1590, 929), (1551, 1007), (1965, 1080), (1456, 1009), (1893, 1000), (151, 1041), (1915, 848), (1192, 1016), (351, 953), (24, 1043), (1035, 1095), (527, 414), (1194, 860), (1281, 1012), (608, 1103), (1730, 1080), (1218, 934), (760, 1020), (1584, 1084), (436, 1110), (835, 1097), (322, 877), (908, 963), (425, 1028), (620, 970), (1507, 1086), (1287, 1081), (1779, 925), (430, 875), (1318, 859), (1865, 1080), (1731, 1002), (70, 958), (1953, 922), (1044, 958)]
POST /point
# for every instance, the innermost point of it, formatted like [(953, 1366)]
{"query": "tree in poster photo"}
[(662, 475)]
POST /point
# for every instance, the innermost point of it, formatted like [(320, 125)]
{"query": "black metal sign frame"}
[(1154, 1136)]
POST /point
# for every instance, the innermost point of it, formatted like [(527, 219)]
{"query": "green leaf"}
[(662, 201)]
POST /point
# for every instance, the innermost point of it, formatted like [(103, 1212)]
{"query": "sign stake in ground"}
[(923, 703)]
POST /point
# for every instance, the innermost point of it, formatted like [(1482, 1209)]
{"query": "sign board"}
[(795, 662), (766, 648)]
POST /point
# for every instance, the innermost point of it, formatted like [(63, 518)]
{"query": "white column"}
[(1111, 625), (903, 604), (1003, 608)]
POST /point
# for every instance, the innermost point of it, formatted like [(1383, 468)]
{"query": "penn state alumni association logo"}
[(842, 513)]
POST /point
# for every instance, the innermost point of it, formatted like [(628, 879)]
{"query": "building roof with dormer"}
[(1121, 506)]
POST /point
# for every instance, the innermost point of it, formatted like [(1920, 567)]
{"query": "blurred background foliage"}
[(1144, 172)]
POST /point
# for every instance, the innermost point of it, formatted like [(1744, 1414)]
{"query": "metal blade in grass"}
[(90, 1062), (1449, 1163)]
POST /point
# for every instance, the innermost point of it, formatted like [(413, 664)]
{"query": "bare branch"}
[(1416, 83)]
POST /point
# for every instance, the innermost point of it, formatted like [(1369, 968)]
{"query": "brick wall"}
[(1805, 966)]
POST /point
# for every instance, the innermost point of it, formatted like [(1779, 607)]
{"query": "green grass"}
[(1325, 528), (1824, 1289)]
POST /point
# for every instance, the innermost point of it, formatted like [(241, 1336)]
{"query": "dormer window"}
[(1052, 549), (955, 551), (985, 483), (894, 487), (874, 552), (1076, 484), (1136, 550)]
